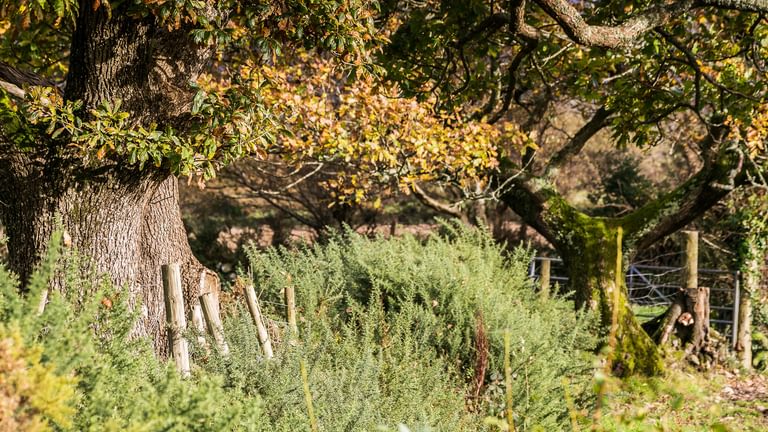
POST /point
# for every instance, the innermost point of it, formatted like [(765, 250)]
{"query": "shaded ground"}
[(720, 400)]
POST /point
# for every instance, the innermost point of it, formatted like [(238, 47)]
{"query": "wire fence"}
[(653, 288)]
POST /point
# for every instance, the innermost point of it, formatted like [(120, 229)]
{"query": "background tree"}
[(356, 142), (639, 70), (749, 227)]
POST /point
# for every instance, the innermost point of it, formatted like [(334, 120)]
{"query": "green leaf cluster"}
[(224, 127)]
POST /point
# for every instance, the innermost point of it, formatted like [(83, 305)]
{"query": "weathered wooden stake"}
[(43, 302), (546, 266), (697, 298), (255, 309), (174, 315), (290, 310), (213, 321), (197, 321)]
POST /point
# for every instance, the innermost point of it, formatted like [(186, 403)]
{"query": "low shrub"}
[(391, 329)]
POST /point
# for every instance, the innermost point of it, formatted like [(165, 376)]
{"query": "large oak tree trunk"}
[(124, 224), (590, 246), (596, 253), (125, 221)]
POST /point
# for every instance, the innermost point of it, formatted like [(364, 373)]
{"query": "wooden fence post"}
[(697, 298), (544, 279), (199, 324), (213, 321), (691, 269), (253, 307), (174, 315), (290, 310)]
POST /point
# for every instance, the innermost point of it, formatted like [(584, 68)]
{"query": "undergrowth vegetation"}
[(73, 366), (407, 330), (392, 333)]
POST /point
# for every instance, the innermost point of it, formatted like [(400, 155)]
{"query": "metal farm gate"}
[(653, 288)]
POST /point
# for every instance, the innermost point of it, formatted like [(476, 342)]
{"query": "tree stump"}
[(686, 322)]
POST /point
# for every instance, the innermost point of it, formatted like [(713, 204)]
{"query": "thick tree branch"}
[(574, 25), (598, 121), (436, 205), (14, 80), (742, 5), (578, 30), (12, 89), (537, 202), (677, 208)]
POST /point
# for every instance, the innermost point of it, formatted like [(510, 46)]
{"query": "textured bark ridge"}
[(102, 217)]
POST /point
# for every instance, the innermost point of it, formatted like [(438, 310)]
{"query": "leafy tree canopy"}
[(220, 126), (649, 65), (322, 102)]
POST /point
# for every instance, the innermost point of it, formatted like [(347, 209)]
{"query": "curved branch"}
[(538, 203), (741, 5), (688, 201), (12, 89), (434, 204), (574, 25), (598, 121), (14, 80), (624, 34), (509, 93)]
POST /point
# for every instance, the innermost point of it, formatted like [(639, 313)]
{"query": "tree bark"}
[(587, 244), (102, 217), (124, 224), (596, 258)]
